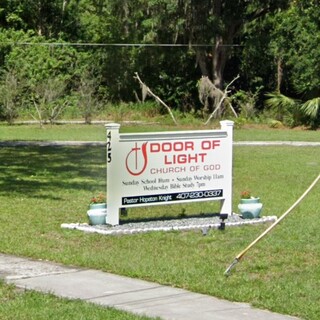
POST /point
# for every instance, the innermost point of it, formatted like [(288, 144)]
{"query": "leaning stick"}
[(155, 97), (242, 253), (224, 96)]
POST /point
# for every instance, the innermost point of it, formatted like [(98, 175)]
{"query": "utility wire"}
[(79, 44)]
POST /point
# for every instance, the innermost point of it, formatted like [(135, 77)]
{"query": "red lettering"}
[(210, 144), (184, 158), (189, 145), (154, 147), (166, 147), (171, 146)]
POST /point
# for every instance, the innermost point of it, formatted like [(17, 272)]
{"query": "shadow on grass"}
[(37, 171), (124, 220), (64, 173)]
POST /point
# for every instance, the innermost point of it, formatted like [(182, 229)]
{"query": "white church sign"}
[(158, 168)]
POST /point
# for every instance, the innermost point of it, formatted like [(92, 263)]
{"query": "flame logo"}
[(137, 159)]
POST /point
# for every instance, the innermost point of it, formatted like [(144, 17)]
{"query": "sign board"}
[(158, 168)]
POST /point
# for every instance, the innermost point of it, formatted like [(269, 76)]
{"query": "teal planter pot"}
[(97, 206), (97, 216), (250, 208), (250, 200)]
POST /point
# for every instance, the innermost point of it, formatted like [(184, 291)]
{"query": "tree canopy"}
[(272, 44)]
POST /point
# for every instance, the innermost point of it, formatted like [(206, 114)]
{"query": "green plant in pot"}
[(250, 207), (97, 212), (98, 202)]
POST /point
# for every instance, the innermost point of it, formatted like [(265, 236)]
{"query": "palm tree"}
[(311, 109)]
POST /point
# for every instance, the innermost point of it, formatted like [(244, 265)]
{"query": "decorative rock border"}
[(185, 224)]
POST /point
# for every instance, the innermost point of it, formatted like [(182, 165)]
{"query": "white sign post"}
[(158, 168)]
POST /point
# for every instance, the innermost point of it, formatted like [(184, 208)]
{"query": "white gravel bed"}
[(183, 224)]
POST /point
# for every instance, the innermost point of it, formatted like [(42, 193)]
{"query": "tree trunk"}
[(212, 65), (219, 57), (279, 74), (201, 61)]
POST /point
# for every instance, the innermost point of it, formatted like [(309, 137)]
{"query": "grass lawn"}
[(96, 132), (31, 305), (42, 187)]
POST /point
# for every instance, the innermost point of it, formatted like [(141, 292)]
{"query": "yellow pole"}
[(242, 253)]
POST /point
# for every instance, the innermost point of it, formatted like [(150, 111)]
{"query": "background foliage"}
[(272, 44)]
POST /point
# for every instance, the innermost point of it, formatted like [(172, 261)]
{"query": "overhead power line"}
[(79, 44)]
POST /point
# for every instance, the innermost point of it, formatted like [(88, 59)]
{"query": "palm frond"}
[(311, 107), (281, 105), (280, 101)]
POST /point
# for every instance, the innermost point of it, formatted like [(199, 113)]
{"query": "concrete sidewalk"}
[(133, 295)]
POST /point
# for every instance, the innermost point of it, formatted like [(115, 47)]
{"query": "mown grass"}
[(20, 305), (42, 187), (97, 132)]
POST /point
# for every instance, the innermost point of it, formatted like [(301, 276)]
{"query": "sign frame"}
[(159, 168)]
